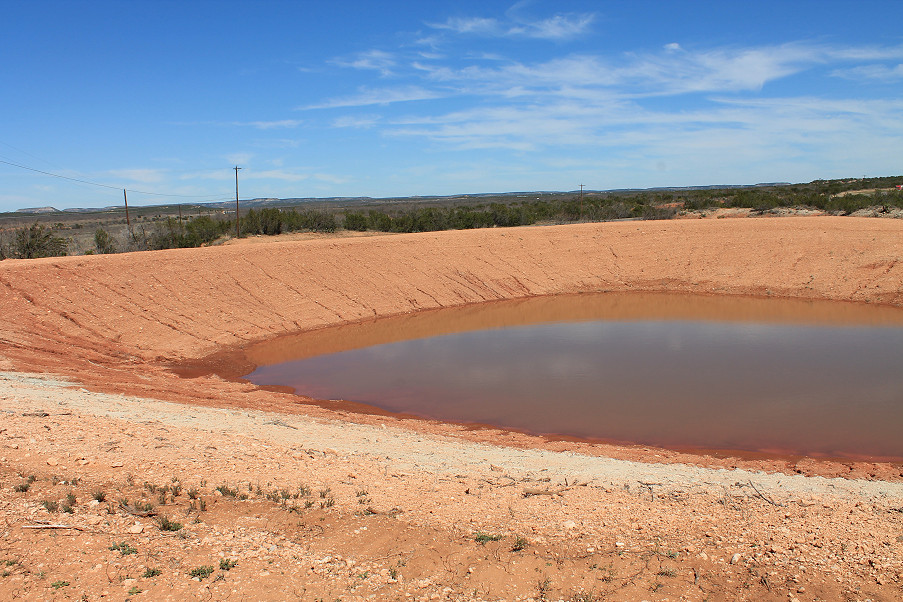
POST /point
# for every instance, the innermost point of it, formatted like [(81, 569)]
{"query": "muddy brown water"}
[(781, 377)]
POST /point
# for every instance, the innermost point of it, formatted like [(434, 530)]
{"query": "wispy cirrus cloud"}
[(556, 27), (271, 125), (373, 60), (378, 96), (880, 73)]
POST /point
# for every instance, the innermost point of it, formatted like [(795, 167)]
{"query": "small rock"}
[(136, 529), (735, 558), (52, 462), (569, 525), (116, 464), (703, 556)]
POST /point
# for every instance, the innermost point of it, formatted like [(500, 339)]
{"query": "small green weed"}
[(59, 584), (227, 564), (168, 525), (481, 538), (124, 548), (50, 506), (23, 487), (99, 496), (201, 572), (134, 590), (70, 499), (151, 573), (227, 491), (520, 543)]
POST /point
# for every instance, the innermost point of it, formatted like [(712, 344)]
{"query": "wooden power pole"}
[(128, 222)]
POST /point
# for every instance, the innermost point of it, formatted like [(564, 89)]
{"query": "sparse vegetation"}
[(520, 543), (25, 486), (483, 538), (37, 241), (227, 564), (151, 572), (59, 584), (99, 496), (167, 525), (124, 548), (227, 491), (201, 572)]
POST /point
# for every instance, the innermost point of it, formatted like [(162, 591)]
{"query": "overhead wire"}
[(81, 181)]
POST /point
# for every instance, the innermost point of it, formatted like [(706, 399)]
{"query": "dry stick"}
[(763, 496), (49, 526)]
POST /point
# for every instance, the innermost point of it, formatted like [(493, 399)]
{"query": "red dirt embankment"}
[(116, 323)]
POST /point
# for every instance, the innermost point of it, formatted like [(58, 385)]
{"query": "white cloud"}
[(271, 125), (356, 121), (882, 73), (557, 27), (473, 25), (377, 96), (374, 60)]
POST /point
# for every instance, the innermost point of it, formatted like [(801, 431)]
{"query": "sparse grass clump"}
[(481, 538), (168, 525), (227, 564), (201, 572), (227, 491), (520, 543), (124, 548), (23, 487), (99, 496), (149, 572), (50, 506), (59, 584)]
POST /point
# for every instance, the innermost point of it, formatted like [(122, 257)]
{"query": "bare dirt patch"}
[(419, 510)]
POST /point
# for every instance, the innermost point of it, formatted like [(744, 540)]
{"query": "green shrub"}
[(37, 241)]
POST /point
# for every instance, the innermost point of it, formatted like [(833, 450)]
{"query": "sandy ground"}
[(345, 506)]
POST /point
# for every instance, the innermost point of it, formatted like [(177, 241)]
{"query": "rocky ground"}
[(116, 497)]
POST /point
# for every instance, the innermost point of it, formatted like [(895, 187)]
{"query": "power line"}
[(56, 175)]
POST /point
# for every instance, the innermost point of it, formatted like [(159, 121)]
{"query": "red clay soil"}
[(120, 323), (366, 526)]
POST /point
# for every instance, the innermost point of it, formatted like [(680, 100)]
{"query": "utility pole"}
[(237, 230), (581, 202), (128, 222)]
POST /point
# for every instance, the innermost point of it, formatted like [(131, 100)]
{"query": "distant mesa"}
[(39, 210)]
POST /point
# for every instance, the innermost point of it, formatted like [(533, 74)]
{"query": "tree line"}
[(832, 196)]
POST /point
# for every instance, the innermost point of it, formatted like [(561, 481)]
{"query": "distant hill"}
[(39, 210)]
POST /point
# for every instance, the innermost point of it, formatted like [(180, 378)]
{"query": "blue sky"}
[(318, 99)]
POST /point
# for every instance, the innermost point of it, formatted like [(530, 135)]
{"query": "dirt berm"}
[(449, 516)]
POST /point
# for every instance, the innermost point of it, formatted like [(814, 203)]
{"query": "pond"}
[(676, 371)]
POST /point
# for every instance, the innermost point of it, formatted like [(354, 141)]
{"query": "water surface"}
[(825, 387)]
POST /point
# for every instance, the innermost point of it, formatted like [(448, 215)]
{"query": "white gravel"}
[(406, 450)]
